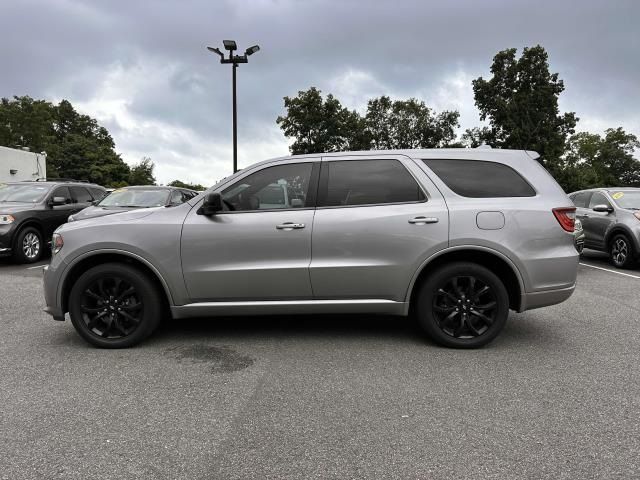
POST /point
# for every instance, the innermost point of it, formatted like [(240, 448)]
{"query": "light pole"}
[(231, 46)]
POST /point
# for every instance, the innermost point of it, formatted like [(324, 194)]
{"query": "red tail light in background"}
[(566, 217)]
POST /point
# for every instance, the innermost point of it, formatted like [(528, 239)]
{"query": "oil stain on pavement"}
[(221, 359)]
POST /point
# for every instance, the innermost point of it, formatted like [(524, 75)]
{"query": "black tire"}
[(482, 303), (621, 251), (105, 301), (28, 246)]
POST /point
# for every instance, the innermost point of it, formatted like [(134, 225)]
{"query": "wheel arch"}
[(29, 222), (495, 261), (92, 259), (624, 230)]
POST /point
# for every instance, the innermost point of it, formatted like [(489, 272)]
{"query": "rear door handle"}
[(423, 220), (290, 226)]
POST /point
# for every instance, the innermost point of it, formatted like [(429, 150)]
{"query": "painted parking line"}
[(611, 271), (37, 266)]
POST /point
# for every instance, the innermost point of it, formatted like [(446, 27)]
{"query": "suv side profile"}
[(611, 221), (31, 211), (456, 236)]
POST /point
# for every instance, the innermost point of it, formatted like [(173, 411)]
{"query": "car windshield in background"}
[(22, 193), (136, 197), (630, 200)]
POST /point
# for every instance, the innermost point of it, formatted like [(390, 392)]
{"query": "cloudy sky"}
[(141, 67)]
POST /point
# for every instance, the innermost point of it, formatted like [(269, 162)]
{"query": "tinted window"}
[(581, 199), (478, 179), (283, 186), (598, 199), (176, 197), (61, 192), (367, 182), (81, 195)]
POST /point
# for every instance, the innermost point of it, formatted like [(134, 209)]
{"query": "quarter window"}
[(367, 182), (279, 187), (479, 179)]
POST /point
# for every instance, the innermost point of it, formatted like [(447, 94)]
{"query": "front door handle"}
[(290, 226), (423, 220)]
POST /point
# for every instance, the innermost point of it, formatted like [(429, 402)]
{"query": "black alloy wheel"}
[(114, 306), (462, 305)]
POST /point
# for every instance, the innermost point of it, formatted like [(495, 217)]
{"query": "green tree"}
[(520, 101), (192, 186), (476, 136), (142, 173), (409, 123), (596, 161), (76, 145), (321, 125)]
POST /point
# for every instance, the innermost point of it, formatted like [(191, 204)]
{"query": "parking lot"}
[(555, 396)]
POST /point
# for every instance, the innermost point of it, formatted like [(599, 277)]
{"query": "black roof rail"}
[(63, 180)]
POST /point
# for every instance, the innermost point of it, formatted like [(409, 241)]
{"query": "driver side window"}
[(598, 199), (272, 188)]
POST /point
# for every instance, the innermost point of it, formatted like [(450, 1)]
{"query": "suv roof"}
[(55, 182)]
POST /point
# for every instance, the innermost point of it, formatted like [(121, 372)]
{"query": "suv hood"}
[(98, 211), (12, 207), (119, 217)]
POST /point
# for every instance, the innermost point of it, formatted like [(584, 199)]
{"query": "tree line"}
[(519, 102), (76, 145)]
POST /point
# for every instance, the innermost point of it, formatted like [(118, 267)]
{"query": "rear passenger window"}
[(479, 179), (581, 200), (81, 195), (367, 182)]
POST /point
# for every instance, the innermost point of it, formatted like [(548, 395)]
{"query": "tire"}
[(105, 301), (621, 251), (451, 287), (28, 246)]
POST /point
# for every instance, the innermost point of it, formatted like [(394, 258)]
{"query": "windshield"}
[(19, 192), (628, 199), (136, 197)]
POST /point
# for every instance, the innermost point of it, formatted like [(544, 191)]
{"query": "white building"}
[(19, 165)]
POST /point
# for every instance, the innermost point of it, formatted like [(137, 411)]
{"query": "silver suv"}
[(457, 237), (611, 221)]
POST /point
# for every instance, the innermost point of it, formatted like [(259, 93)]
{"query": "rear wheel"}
[(621, 251), (462, 305), (28, 246), (115, 306)]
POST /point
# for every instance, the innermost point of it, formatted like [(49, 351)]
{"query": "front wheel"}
[(28, 246), (114, 306), (621, 251), (462, 305)]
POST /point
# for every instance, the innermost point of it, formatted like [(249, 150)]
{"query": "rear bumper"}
[(545, 298)]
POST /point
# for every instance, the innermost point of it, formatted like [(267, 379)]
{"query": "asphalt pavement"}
[(555, 396)]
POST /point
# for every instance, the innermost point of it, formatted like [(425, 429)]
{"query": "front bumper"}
[(50, 284), (6, 239)]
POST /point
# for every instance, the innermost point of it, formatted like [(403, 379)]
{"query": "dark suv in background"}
[(31, 211), (610, 218)]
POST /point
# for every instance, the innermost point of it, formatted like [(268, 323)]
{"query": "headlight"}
[(57, 242), (6, 219), (71, 219)]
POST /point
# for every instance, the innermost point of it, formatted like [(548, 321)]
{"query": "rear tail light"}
[(566, 217)]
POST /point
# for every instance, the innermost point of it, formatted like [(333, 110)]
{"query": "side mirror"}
[(55, 201), (603, 208), (211, 205)]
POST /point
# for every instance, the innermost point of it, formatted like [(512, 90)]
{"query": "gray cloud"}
[(142, 69)]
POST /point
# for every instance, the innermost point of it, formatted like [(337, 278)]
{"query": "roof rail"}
[(62, 180)]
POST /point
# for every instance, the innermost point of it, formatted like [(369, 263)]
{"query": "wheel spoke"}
[(132, 307), (93, 295), (126, 293), (480, 292), (472, 327), (442, 309), (86, 309), (130, 317), (450, 296), (485, 306), (458, 330), (488, 321)]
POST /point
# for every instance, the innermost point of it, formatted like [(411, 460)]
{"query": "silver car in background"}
[(457, 237), (611, 221)]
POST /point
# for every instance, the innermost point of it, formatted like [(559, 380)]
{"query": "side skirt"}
[(282, 307)]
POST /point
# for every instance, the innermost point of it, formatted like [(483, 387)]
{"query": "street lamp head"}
[(252, 50), (216, 50), (230, 45)]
